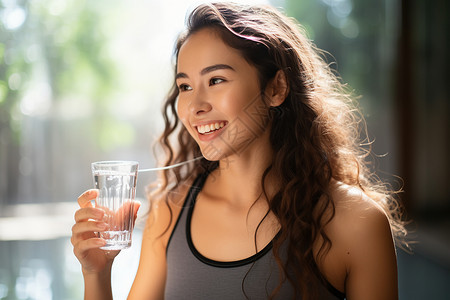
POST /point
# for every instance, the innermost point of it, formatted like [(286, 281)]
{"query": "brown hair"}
[(314, 133)]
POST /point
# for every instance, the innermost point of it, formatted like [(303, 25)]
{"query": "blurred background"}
[(82, 81)]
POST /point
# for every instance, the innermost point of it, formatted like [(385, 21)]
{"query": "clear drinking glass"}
[(116, 183)]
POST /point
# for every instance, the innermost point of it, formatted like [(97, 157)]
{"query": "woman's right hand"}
[(86, 244)]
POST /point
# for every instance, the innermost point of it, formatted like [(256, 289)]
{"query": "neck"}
[(238, 178)]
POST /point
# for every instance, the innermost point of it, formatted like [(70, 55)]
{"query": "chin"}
[(214, 151)]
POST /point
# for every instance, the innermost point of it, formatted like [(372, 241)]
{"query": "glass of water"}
[(116, 183)]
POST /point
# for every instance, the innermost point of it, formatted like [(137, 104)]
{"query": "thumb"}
[(136, 206)]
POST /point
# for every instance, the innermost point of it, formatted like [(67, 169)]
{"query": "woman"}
[(282, 205)]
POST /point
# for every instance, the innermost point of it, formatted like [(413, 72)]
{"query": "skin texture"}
[(217, 85)]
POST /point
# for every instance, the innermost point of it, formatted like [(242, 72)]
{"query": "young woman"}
[(282, 205)]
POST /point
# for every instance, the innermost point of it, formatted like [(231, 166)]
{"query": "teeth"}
[(210, 127)]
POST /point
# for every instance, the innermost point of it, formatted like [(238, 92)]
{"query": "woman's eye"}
[(214, 81), (184, 87)]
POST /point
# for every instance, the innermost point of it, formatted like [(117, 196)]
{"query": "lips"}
[(209, 128)]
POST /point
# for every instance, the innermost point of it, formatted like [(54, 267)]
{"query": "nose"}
[(199, 104)]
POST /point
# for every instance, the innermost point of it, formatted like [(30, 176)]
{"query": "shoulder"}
[(352, 205), (359, 224), (358, 221), (164, 211), (357, 214), (361, 238)]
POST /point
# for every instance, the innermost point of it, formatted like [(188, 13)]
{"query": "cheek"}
[(234, 102), (181, 111), (254, 113), (183, 115), (246, 103)]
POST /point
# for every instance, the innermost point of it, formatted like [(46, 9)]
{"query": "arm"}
[(370, 256), (151, 274), (150, 277), (98, 285), (362, 260)]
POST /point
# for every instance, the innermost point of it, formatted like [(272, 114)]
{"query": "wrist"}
[(97, 285), (97, 273)]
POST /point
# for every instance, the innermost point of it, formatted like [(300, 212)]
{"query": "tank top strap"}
[(189, 201)]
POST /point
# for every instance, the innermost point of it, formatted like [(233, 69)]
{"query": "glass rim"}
[(113, 163)]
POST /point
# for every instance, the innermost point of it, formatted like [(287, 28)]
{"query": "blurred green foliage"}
[(61, 43)]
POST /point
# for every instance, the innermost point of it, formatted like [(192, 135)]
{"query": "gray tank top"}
[(192, 276)]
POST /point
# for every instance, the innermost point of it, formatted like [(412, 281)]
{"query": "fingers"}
[(88, 220), (85, 199), (90, 226), (84, 237), (81, 248), (84, 214), (82, 231)]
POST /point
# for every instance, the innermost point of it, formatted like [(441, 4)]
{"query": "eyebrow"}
[(207, 70)]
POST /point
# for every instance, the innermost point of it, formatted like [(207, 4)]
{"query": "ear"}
[(277, 89)]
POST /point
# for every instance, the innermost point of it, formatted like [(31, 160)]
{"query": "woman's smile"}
[(210, 128), (209, 131)]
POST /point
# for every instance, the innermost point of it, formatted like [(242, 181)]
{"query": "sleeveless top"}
[(192, 276)]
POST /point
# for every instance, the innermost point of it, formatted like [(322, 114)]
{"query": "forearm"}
[(97, 286)]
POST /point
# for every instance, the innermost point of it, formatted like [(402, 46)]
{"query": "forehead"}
[(206, 47)]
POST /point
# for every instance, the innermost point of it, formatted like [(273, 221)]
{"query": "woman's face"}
[(220, 101)]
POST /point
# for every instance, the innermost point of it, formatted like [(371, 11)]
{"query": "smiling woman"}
[(282, 198)]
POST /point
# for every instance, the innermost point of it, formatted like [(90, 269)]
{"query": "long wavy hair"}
[(315, 135)]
